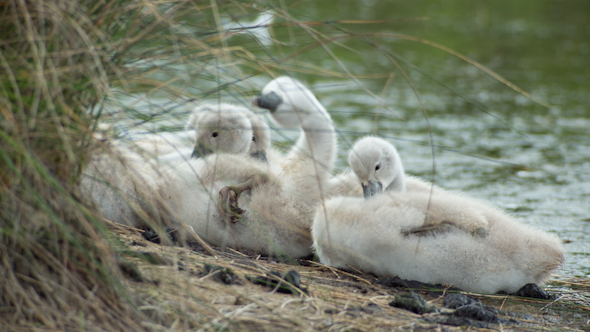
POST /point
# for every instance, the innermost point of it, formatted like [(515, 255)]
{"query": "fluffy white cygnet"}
[(279, 208), (272, 222), (306, 168), (115, 179), (279, 205), (261, 147), (385, 234), (213, 128), (378, 164), (162, 144), (220, 128), (120, 179)]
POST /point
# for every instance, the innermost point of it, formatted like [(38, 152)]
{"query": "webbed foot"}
[(228, 197), (228, 204)]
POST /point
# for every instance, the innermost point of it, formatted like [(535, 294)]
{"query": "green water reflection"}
[(489, 140), (530, 159)]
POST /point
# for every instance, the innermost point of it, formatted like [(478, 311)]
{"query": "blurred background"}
[(447, 82)]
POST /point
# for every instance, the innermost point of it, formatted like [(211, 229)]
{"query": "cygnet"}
[(385, 234)]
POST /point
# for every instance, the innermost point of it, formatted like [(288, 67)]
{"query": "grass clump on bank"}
[(57, 268)]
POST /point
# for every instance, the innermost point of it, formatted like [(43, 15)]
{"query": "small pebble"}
[(478, 312), (221, 274), (291, 276), (533, 291), (468, 307), (455, 300), (412, 302)]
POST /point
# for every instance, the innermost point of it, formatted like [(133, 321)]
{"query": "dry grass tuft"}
[(57, 268)]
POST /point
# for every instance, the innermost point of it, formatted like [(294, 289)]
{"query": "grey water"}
[(474, 133)]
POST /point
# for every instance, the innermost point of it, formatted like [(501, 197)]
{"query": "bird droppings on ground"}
[(199, 291), (396, 282), (288, 283), (534, 291), (412, 302), (153, 236), (221, 274)]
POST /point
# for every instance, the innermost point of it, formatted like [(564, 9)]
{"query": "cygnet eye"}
[(253, 138), (377, 167), (214, 134)]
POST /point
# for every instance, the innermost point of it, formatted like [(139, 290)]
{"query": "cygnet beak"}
[(201, 151), (270, 101), (259, 155), (371, 189)]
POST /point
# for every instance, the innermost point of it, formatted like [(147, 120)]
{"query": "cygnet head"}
[(220, 127), (377, 165), (260, 136), (289, 101)]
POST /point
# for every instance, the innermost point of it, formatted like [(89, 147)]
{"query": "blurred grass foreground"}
[(59, 60)]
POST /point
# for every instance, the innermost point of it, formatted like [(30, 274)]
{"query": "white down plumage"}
[(430, 236)]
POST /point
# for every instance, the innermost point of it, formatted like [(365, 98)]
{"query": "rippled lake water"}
[(492, 142)]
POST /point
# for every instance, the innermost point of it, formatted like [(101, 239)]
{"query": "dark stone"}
[(456, 321), (222, 274), (468, 307), (478, 312), (534, 291), (152, 236), (412, 302), (291, 277), (307, 260), (173, 234), (455, 300), (396, 282), (131, 271)]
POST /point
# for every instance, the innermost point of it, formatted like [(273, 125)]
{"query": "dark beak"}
[(371, 189), (270, 101), (259, 155), (201, 151)]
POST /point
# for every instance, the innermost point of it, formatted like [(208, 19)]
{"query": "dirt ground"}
[(187, 288)]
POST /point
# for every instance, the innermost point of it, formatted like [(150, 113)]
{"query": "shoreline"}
[(327, 299)]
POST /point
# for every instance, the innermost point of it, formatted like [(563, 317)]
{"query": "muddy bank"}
[(190, 288)]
